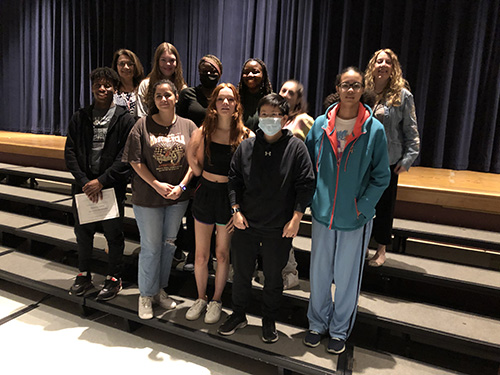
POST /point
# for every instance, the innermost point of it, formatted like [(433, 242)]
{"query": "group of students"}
[(247, 162)]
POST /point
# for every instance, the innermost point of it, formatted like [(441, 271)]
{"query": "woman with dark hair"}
[(166, 65), (348, 149), (254, 85), (209, 155), (395, 109), (299, 122), (129, 68), (156, 150)]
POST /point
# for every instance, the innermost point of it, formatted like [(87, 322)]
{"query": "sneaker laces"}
[(146, 302), (198, 303), (212, 305)]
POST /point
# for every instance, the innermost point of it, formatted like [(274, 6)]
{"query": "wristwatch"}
[(183, 187), (234, 210)]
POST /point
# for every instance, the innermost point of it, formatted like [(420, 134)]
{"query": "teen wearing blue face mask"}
[(271, 182)]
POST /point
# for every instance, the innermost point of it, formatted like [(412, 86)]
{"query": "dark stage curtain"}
[(449, 50)]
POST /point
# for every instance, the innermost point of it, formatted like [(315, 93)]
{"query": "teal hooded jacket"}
[(348, 186)]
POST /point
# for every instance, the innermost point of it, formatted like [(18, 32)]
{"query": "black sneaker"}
[(232, 323), (312, 339), (335, 345), (269, 333), (179, 255), (110, 289), (81, 285)]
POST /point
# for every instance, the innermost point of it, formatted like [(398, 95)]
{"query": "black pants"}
[(382, 224), (113, 231), (245, 246)]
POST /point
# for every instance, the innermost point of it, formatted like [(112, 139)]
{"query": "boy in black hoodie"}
[(271, 182), (93, 153)]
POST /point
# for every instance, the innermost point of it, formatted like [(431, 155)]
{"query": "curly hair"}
[(138, 69), (238, 131), (156, 74), (265, 87), (153, 109), (396, 83), (105, 74)]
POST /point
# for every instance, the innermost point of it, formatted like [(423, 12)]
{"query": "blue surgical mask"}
[(270, 125)]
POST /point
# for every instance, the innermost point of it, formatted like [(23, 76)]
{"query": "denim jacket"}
[(400, 125)]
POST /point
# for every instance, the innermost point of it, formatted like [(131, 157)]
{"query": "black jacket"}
[(271, 180), (77, 152)]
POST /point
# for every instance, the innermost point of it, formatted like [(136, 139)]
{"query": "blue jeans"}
[(158, 227)]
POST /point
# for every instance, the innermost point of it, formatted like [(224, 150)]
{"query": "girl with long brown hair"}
[(209, 155)]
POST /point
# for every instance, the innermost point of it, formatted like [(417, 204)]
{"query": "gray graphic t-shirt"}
[(101, 118)]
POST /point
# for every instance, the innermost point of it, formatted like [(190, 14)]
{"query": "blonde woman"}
[(166, 65), (395, 109)]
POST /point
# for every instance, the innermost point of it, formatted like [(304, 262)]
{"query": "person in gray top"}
[(395, 109)]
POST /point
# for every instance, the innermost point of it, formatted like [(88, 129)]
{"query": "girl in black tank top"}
[(209, 155)]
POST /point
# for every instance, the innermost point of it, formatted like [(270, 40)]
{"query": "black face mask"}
[(209, 81)]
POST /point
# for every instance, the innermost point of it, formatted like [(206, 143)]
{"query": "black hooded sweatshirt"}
[(270, 181)]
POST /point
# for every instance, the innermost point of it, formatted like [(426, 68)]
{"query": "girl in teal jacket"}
[(348, 148)]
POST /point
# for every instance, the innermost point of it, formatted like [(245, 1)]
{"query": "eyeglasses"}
[(122, 64), (356, 86)]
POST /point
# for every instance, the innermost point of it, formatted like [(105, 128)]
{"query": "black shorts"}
[(211, 203)]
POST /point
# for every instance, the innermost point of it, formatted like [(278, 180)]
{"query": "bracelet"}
[(182, 186)]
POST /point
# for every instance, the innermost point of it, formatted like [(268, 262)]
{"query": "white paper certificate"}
[(105, 209)]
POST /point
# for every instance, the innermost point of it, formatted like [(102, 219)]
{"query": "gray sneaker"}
[(162, 299), (214, 310), (196, 310), (145, 307)]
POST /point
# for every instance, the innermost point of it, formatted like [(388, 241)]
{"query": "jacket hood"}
[(365, 113)]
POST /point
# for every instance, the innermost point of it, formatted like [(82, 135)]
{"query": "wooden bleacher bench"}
[(404, 229), (50, 200), (448, 234), (56, 279), (288, 354), (444, 327), (33, 173), (53, 233), (477, 280)]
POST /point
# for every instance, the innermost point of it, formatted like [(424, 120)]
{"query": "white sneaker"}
[(196, 310), (163, 300), (290, 280), (145, 307), (214, 310)]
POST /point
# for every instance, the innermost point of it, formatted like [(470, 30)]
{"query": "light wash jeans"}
[(158, 227)]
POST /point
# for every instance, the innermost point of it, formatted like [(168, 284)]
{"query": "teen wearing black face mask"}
[(193, 103)]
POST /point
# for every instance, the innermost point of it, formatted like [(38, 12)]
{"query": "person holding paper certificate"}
[(93, 153), (156, 149)]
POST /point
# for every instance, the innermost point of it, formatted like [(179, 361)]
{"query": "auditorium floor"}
[(55, 339)]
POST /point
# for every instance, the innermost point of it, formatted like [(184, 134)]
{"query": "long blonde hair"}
[(156, 74), (396, 83)]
